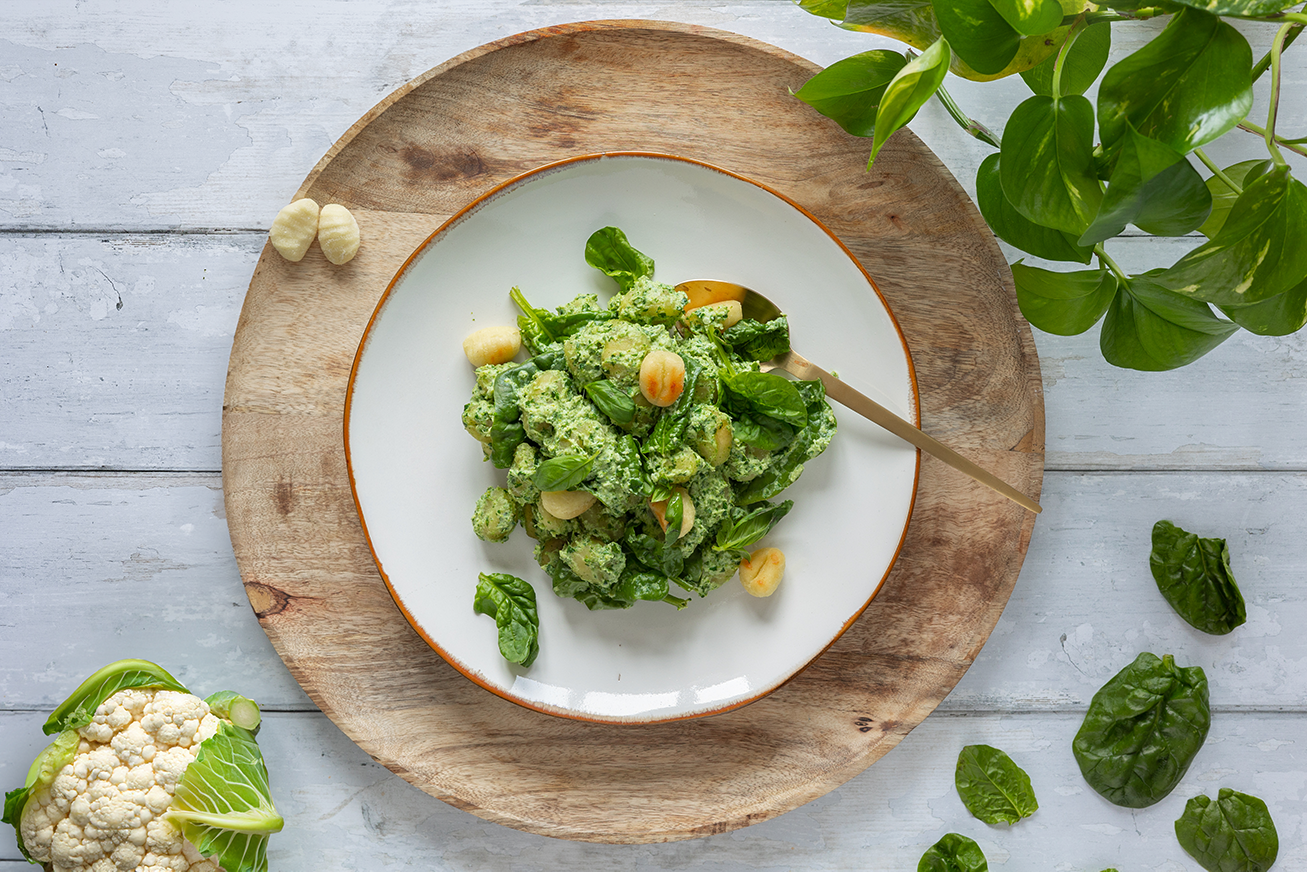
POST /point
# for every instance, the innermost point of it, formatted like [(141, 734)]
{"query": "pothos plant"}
[(1069, 176)]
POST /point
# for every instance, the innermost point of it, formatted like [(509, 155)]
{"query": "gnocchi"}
[(566, 505), (338, 234), (761, 571), (662, 377), (294, 228), (497, 344)]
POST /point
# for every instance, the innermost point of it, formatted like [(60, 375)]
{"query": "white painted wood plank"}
[(343, 811), (140, 566), (115, 115), (88, 385)]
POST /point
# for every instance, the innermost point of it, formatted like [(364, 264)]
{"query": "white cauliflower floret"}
[(103, 810)]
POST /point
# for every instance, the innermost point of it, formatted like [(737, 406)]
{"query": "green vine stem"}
[(1106, 261), (1291, 144), (1265, 63), (970, 125), (1072, 35), (1277, 46), (1217, 171)]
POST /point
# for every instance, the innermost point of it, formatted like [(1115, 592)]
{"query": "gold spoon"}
[(759, 308)]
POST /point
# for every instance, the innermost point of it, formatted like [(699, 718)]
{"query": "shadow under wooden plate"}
[(420, 156)]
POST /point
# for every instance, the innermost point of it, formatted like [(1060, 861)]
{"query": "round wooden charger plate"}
[(416, 159)]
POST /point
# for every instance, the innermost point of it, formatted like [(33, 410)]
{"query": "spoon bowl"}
[(756, 307)]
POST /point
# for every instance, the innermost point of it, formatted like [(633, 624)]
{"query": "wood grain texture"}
[(432, 149)]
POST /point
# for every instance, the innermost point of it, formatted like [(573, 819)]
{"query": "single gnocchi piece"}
[(687, 511), (338, 234), (729, 311), (294, 228), (566, 505), (708, 293), (662, 377), (761, 571), (497, 344)]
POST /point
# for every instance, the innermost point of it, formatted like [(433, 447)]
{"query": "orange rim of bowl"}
[(421, 249)]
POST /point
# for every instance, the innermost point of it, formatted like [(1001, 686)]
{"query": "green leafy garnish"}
[(1143, 729), (223, 805), (1195, 577), (614, 402), (759, 340), (746, 527), (608, 251), (563, 473), (992, 787), (953, 853), (1233, 834), (79, 708), (512, 603)]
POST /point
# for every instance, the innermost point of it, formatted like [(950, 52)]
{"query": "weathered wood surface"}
[(130, 134), (404, 169)]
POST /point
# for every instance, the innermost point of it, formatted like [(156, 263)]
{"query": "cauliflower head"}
[(104, 809)]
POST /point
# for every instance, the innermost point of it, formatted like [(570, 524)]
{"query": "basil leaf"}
[(1047, 166), (1186, 87), (1143, 729), (1258, 253), (1016, 229), (849, 91), (908, 91), (223, 805), (977, 33), (564, 472), (674, 514), (1195, 577), (614, 402), (79, 708), (1084, 61), (1030, 17), (608, 251), (759, 340), (766, 393), (1063, 303), (1152, 329), (512, 603), (1233, 834), (1153, 187), (743, 528), (1223, 196), (953, 853), (807, 444), (993, 787), (1278, 316), (40, 774)]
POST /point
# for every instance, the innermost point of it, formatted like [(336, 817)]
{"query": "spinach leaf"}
[(627, 468), (667, 434), (759, 340), (1151, 328), (540, 327), (766, 393), (761, 432), (1047, 168), (1188, 86), (849, 91), (564, 472), (1195, 577), (908, 91), (1063, 303), (993, 787), (674, 514), (1153, 187), (807, 444), (953, 853), (1233, 834), (1016, 229), (614, 402), (1143, 729), (655, 555), (506, 433), (1084, 61), (743, 528), (512, 603), (608, 251)]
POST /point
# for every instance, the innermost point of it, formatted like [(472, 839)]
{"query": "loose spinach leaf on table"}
[(512, 603), (1195, 577), (1143, 729), (993, 787), (608, 251), (953, 853), (1233, 834)]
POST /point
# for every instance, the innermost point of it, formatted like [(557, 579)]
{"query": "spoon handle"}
[(801, 367)]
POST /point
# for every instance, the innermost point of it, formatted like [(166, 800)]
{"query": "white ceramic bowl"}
[(417, 474)]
